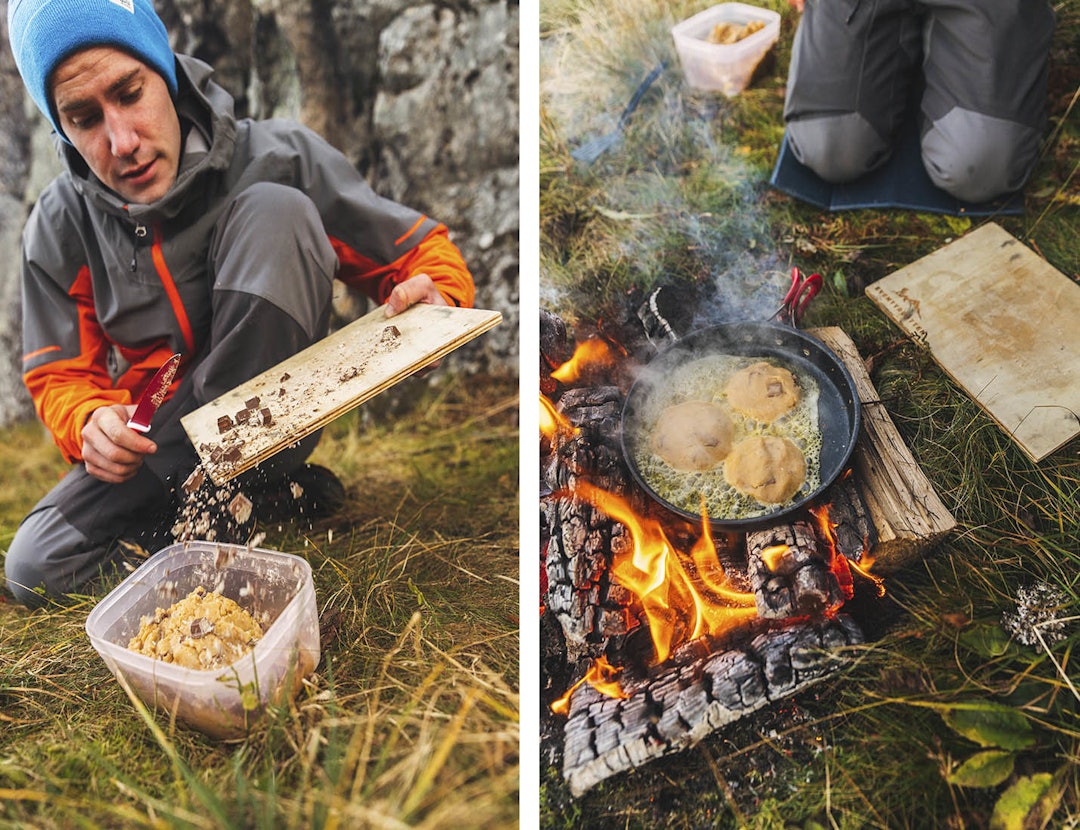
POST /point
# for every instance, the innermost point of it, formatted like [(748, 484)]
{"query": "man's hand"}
[(419, 288), (113, 451)]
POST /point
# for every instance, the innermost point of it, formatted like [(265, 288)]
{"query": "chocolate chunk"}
[(200, 628), (243, 416), (194, 481), (224, 423), (252, 403), (267, 418)]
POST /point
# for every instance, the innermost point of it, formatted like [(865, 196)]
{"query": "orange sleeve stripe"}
[(170, 290), (41, 351), (410, 231)]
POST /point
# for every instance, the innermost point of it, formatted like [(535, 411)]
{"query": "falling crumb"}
[(194, 481), (296, 490), (240, 508), (224, 557)]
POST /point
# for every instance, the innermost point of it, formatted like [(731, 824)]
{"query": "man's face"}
[(117, 113)]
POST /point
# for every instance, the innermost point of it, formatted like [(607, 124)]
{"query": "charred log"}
[(852, 524), (555, 349), (673, 711), (790, 578), (590, 607)]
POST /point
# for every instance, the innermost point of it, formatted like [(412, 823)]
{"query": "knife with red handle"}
[(154, 394)]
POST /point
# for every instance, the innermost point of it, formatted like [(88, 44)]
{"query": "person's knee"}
[(28, 578), (839, 148), (271, 243), (272, 208), (977, 157)]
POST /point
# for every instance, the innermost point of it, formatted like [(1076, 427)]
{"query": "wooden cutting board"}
[(1003, 324), (307, 391)]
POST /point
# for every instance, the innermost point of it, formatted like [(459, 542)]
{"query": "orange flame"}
[(673, 605), (840, 564), (602, 676), (553, 422), (592, 352), (772, 555)]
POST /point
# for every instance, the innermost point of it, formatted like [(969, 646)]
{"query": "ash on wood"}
[(790, 578), (670, 712)]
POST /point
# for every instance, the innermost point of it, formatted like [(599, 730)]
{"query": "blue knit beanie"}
[(45, 32)]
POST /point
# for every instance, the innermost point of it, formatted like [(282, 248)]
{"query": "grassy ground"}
[(411, 718), (946, 720)]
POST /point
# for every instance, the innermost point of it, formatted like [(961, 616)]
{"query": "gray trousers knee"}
[(272, 269), (979, 68)]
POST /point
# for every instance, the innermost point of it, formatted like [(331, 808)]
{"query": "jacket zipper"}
[(140, 233)]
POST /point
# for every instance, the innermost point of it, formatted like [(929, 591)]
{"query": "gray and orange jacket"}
[(109, 285)]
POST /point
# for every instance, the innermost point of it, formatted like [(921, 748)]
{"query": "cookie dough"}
[(693, 436), (769, 468), (762, 391), (205, 630)]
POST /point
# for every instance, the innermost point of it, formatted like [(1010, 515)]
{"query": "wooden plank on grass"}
[(1001, 322), (304, 393)]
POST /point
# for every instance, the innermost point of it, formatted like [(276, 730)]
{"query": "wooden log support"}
[(909, 516), (788, 574), (670, 712)]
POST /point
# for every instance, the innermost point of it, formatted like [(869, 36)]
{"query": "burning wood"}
[(790, 577), (698, 634), (673, 711)]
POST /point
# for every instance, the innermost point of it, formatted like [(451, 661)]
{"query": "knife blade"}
[(154, 394)]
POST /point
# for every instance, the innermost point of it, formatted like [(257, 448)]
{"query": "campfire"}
[(671, 628)]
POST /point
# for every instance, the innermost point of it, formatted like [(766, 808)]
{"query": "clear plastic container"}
[(725, 68), (276, 588)]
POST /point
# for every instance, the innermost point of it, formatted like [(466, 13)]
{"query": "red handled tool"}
[(802, 291), (154, 394)]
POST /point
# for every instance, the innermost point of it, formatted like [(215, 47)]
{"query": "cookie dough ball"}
[(693, 436), (768, 468), (205, 630), (763, 391)]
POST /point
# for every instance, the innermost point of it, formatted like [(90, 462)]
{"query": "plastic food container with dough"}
[(724, 67), (275, 588)]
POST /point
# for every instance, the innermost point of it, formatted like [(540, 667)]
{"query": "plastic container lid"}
[(276, 588), (725, 68)]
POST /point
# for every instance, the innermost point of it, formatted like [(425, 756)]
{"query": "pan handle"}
[(802, 291)]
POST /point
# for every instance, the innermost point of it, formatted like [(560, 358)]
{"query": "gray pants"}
[(272, 268), (977, 68)]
